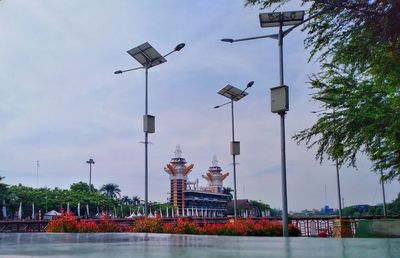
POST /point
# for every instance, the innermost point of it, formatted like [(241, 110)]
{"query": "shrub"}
[(64, 223), (67, 223), (107, 225), (148, 225), (235, 228), (294, 231), (185, 227), (87, 227)]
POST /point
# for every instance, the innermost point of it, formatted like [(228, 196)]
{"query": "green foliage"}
[(228, 191), (156, 206), (260, 205), (4, 194), (135, 200), (358, 46), (394, 207), (81, 187), (125, 200), (111, 190), (3, 190), (47, 199)]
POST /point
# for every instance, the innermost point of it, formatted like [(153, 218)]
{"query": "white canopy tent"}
[(49, 215)]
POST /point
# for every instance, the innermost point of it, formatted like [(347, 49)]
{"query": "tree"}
[(260, 205), (3, 190), (358, 46), (111, 190), (136, 200), (81, 187), (4, 195), (394, 207), (54, 199), (228, 191), (125, 200)]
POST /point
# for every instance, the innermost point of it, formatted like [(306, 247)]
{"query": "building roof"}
[(241, 204)]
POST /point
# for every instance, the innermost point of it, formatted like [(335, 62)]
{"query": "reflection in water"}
[(343, 247), (288, 252)]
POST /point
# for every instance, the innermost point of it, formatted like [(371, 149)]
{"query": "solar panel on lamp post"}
[(279, 95), (234, 94), (148, 57)]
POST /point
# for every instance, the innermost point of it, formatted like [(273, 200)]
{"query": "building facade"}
[(190, 199)]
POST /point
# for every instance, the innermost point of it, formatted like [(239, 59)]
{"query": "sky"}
[(61, 103)]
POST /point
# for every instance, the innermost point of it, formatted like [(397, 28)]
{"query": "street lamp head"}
[(227, 40), (216, 106), (250, 84), (179, 46), (118, 72)]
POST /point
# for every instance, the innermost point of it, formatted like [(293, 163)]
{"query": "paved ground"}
[(163, 245)]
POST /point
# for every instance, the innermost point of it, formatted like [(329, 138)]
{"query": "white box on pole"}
[(280, 99), (235, 148), (149, 124)]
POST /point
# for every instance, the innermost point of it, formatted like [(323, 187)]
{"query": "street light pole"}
[(282, 114), (337, 171), (383, 195), (279, 95), (148, 57), (234, 94), (234, 165), (90, 162), (37, 173), (338, 188), (146, 149)]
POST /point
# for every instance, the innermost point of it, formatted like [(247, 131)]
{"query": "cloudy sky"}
[(61, 104)]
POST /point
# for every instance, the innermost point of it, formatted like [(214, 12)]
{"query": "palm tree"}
[(135, 200), (111, 190), (126, 200), (228, 191)]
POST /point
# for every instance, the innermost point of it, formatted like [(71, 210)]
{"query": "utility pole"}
[(90, 162), (37, 173)]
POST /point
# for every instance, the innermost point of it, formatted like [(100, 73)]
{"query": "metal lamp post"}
[(234, 94), (383, 196), (340, 199), (338, 174), (90, 162), (148, 57), (279, 95)]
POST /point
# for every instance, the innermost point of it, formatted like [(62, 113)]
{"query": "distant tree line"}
[(108, 198), (393, 209)]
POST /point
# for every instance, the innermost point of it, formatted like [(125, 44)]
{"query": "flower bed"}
[(246, 227), (68, 223)]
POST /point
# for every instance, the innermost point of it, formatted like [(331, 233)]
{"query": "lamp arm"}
[(272, 36), (169, 53), (164, 56), (229, 102), (128, 70)]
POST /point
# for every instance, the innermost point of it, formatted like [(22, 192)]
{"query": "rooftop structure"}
[(187, 197), (215, 177), (178, 172)]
